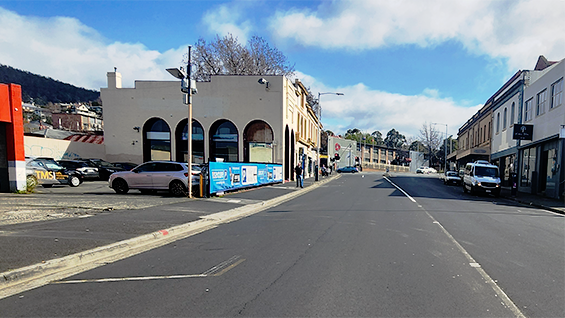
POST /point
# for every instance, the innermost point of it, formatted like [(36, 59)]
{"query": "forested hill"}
[(43, 89)]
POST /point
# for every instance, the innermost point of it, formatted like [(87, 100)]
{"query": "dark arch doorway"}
[(156, 140), (181, 137), (224, 140), (287, 166), (258, 142), (291, 154)]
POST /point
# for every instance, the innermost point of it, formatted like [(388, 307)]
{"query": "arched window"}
[(512, 111), (181, 137), (258, 142), (224, 141), (504, 120), (156, 140)]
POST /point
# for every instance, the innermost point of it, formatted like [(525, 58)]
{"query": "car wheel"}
[(74, 181), (177, 188), (120, 186)]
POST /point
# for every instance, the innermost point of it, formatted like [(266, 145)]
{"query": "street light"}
[(188, 90), (445, 148), (320, 119)]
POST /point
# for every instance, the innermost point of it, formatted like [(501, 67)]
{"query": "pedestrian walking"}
[(299, 179)]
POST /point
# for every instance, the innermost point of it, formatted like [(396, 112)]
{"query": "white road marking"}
[(214, 271), (400, 189), (506, 301)]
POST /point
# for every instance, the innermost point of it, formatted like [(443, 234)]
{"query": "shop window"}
[(156, 140), (258, 142), (224, 140), (181, 137)]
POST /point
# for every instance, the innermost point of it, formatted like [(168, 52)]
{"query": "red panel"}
[(15, 130), (5, 114)]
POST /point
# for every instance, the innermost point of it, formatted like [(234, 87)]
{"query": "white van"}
[(481, 176)]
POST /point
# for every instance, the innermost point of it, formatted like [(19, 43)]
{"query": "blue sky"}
[(400, 63)]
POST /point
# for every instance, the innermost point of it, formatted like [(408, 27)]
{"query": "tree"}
[(377, 137), (394, 139), (431, 139), (417, 146), (226, 56)]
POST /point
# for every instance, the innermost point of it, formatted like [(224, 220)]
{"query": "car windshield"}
[(486, 172), (51, 164), (452, 173)]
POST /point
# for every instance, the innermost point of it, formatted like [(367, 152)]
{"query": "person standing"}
[(299, 179)]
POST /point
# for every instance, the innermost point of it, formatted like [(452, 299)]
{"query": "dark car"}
[(127, 166), (105, 168), (347, 169), (47, 172), (87, 170), (452, 177)]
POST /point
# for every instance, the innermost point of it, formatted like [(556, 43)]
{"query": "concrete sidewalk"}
[(539, 201), (34, 253)]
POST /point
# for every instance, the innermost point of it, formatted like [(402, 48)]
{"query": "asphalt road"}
[(355, 247)]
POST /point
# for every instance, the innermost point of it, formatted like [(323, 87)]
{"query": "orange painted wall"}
[(11, 112)]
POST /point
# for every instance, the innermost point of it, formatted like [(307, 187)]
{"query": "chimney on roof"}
[(543, 63), (114, 79)]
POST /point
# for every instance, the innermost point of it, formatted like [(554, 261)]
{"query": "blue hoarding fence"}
[(226, 176)]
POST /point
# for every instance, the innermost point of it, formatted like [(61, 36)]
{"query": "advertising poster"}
[(225, 176)]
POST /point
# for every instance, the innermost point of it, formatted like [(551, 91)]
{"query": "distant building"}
[(77, 118)]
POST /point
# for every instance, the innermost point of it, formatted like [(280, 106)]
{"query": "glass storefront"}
[(528, 166)]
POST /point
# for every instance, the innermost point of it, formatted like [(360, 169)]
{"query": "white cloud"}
[(369, 110), (517, 30), (67, 50), (226, 19)]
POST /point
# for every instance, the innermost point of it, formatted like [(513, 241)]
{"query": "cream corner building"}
[(235, 119)]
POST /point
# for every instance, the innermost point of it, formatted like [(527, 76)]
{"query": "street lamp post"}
[(445, 148), (320, 124), (187, 89)]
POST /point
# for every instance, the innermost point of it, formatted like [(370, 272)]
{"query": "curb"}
[(537, 205), (19, 280)]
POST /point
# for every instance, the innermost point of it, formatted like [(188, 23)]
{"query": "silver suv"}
[(152, 176)]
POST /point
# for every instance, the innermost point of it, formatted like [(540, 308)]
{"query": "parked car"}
[(452, 177), (47, 172), (422, 170), (153, 176), (125, 165), (481, 176), (349, 169), (87, 171), (105, 169), (426, 170)]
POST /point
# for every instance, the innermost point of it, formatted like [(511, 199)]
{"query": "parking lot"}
[(62, 201)]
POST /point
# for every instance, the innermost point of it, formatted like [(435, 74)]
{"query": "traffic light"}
[(337, 156)]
